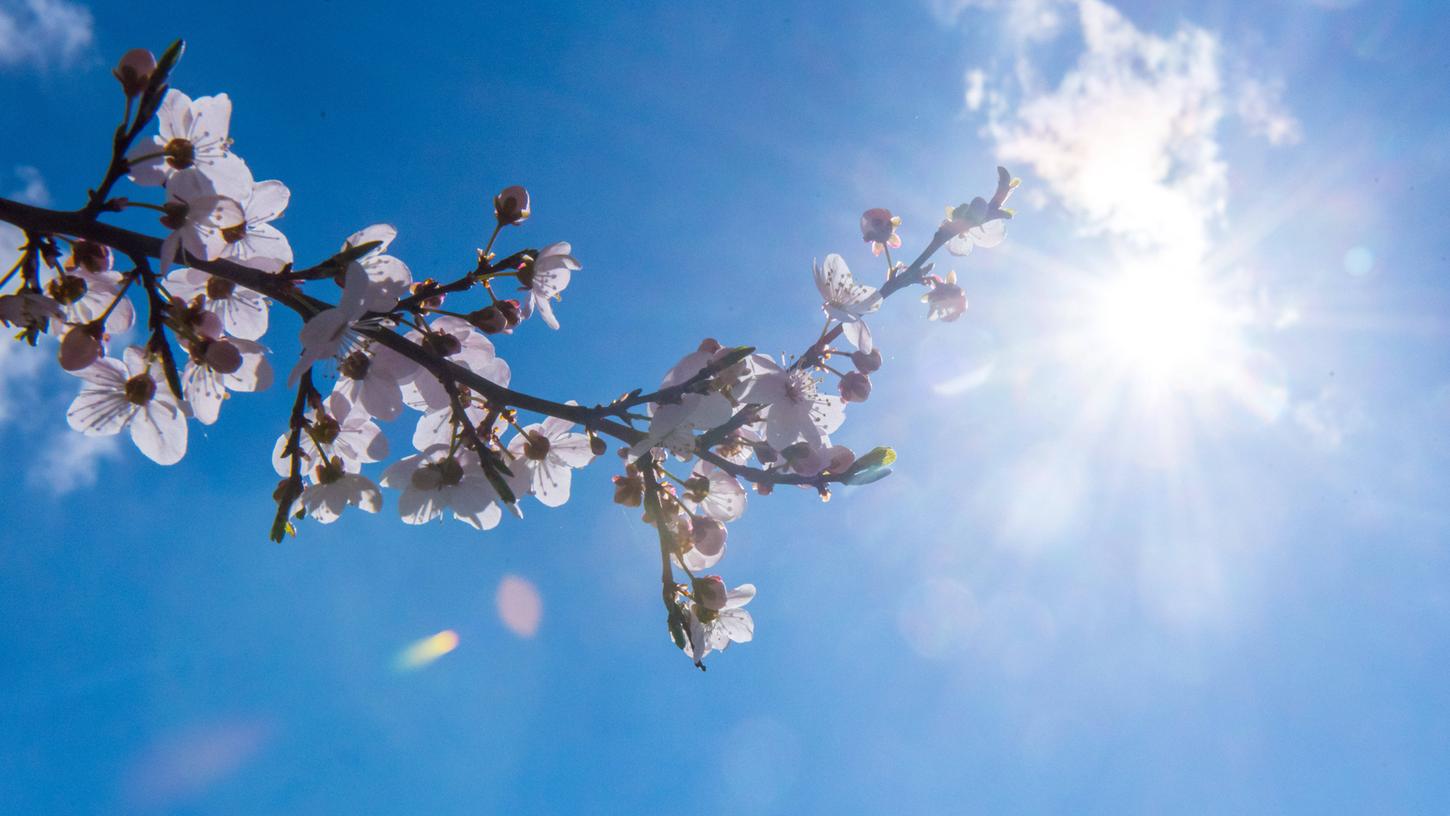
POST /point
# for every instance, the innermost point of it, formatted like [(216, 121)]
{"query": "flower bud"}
[(222, 357), (709, 591), (511, 311), (855, 387), (489, 320), (79, 348), (710, 345), (134, 70), (866, 363), (511, 206), (597, 446), (90, 256), (629, 490), (877, 225)]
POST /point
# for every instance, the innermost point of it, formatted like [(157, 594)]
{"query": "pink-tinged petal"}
[(858, 334), (152, 170), (211, 117), (264, 248), (169, 247), (269, 199), (546, 311), (381, 397), (383, 233), (830, 413), (228, 175), (174, 117), (740, 596), (107, 372), (419, 506), (159, 431), (734, 625), (255, 373), (204, 392), (99, 411), (571, 450), (960, 245), (550, 484), (391, 280)]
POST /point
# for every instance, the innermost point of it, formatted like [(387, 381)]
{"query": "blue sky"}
[(1168, 530)]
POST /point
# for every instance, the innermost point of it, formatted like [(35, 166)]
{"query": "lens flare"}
[(421, 653)]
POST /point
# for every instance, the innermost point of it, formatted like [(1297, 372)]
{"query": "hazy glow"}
[(519, 605), (1162, 327), (423, 652)]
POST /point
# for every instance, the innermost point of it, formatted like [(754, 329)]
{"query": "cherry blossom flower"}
[(437, 480), (547, 278), (544, 454), (673, 425), (217, 365), (325, 333), (128, 394), (243, 312), (193, 135), (334, 490), (88, 287), (391, 278), (975, 226), (29, 310), (704, 545), (253, 241), (349, 435), (511, 206), (436, 427), (458, 341), (372, 378), (945, 300), (846, 300), (795, 409), (196, 214), (878, 228), (715, 629), (713, 492)]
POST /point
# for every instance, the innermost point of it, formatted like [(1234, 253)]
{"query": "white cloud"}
[(1126, 140), (68, 460), (1330, 418), (976, 91), (43, 33), (71, 462), (1025, 19), (1261, 107)]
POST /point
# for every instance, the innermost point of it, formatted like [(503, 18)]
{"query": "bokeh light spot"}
[(519, 605), (420, 653)]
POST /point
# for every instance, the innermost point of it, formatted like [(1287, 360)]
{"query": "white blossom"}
[(391, 278), (193, 135), (551, 273), (131, 394), (459, 342), (437, 480), (218, 365), (196, 214), (339, 432), (846, 300), (324, 335), (243, 312), (544, 455), (795, 410)]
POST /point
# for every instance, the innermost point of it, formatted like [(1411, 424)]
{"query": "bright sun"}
[(1160, 328)]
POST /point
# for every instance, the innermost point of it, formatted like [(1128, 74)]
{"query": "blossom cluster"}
[(723, 418)]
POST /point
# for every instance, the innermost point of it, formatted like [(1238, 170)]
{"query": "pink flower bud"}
[(134, 70), (79, 348), (877, 225), (511, 206), (866, 363), (710, 345), (710, 592), (855, 387), (489, 320), (223, 357), (510, 310), (946, 301)]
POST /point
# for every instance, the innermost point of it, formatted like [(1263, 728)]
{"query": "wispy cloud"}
[(44, 33), (71, 461)]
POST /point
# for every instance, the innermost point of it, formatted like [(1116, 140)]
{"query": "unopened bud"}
[(223, 357), (79, 348), (866, 363), (489, 320), (597, 446), (710, 345), (134, 70), (511, 311), (511, 206), (855, 387), (709, 591)]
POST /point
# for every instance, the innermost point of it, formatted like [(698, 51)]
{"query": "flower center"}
[(140, 389), (325, 430), (537, 447), (354, 366), (219, 288), (180, 153), (443, 473), (800, 387), (234, 233), (67, 289)]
